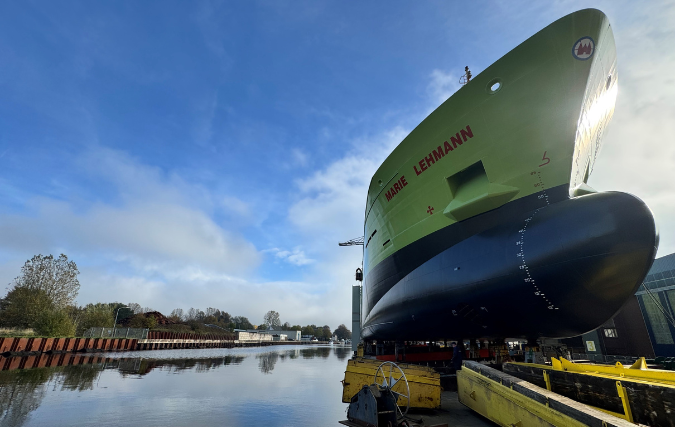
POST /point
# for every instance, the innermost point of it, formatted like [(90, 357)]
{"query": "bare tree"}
[(177, 314), (135, 308), (56, 277), (272, 318)]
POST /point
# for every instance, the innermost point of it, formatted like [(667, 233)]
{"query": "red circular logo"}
[(583, 48)]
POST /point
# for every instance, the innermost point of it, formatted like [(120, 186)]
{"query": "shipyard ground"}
[(451, 413)]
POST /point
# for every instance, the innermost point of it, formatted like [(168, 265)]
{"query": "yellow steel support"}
[(505, 406), (424, 382), (637, 371), (512, 402), (547, 380), (624, 401), (655, 382)]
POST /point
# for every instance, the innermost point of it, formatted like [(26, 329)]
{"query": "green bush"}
[(22, 307), (95, 316), (55, 323), (140, 321)]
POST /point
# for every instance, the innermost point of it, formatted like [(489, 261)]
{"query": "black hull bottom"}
[(555, 271)]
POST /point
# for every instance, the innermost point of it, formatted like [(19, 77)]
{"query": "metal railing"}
[(137, 333)]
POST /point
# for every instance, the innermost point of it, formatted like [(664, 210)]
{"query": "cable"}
[(662, 309)]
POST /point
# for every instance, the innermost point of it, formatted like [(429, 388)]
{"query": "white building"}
[(290, 335), (251, 336)]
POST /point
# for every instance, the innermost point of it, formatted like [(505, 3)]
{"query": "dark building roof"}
[(662, 264), (661, 276)]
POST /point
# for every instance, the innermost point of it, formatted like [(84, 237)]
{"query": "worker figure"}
[(467, 73), (458, 355)]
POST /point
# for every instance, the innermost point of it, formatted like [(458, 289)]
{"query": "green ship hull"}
[(446, 233)]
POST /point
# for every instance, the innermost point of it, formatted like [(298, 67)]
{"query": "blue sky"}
[(194, 154)]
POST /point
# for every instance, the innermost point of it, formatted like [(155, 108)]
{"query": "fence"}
[(137, 333)]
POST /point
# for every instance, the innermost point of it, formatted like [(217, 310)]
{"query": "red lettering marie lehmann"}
[(440, 152), (398, 186)]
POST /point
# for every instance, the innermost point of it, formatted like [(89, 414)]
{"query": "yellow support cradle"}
[(510, 401), (635, 393)]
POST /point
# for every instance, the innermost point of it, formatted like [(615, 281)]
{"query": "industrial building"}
[(645, 326), (290, 335), (657, 303)]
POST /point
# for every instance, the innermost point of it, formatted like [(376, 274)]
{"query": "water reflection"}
[(40, 395), (145, 366), (266, 361), (21, 393)]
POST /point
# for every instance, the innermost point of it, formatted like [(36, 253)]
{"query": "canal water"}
[(259, 386)]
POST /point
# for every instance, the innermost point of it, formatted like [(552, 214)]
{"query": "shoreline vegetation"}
[(40, 303)]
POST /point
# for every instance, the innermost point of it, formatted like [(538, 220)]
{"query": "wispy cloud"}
[(152, 219), (443, 84), (295, 256)]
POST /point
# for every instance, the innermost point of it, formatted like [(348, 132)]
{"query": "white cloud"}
[(331, 206), (329, 210), (295, 257), (300, 158), (443, 84), (158, 226), (297, 302), (236, 206)]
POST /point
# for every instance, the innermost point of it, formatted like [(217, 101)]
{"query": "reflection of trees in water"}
[(80, 378), (290, 354), (266, 361), (311, 353), (342, 352), (144, 366), (21, 391)]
